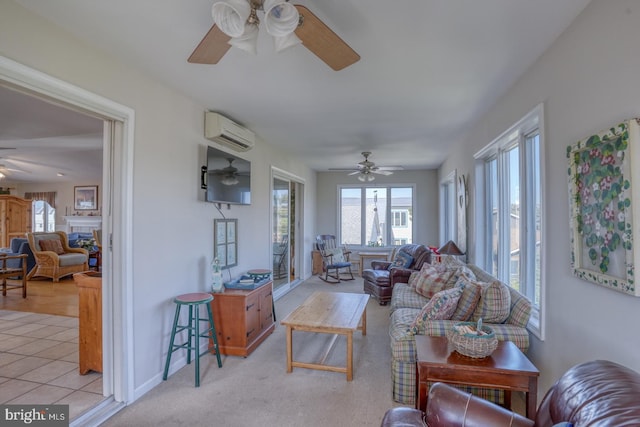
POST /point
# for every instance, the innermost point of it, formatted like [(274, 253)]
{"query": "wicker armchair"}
[(55, 260)]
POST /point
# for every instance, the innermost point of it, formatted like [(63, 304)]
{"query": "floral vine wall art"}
[(602, 206)]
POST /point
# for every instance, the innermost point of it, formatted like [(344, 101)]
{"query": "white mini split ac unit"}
[(224, 131)]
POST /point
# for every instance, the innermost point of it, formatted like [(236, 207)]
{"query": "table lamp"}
[(450, 248)]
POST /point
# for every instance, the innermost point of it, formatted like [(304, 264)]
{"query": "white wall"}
[(587, 82), (64, 195), (172, 237), (426, 204)]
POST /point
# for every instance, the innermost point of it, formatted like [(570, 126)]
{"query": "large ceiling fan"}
[(366, 168), (236, 23)]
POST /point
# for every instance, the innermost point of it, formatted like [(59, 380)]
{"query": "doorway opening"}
[(117, 164)]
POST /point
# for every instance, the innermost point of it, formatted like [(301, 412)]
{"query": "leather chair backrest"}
[(599, 393), (419, 253)]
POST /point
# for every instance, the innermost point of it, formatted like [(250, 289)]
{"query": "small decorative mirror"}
[(225, 246)]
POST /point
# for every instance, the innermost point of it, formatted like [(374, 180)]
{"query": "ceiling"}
[(40, 141), (428, 69)]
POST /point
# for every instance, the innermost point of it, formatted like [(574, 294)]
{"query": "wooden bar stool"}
[(193, 301)]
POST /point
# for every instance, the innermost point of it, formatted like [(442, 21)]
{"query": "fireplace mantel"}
[(83, 224)]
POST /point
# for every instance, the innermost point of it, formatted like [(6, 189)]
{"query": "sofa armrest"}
[(380, 265), (448, 406), (399, 275)]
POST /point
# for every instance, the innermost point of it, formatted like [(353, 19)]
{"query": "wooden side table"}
[(316, 262), (507, 369), (371, 255)]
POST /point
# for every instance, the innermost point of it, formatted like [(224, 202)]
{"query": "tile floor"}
[(39, 363)]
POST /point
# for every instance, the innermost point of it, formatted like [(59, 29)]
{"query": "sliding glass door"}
[(286, 215), (281, 232)]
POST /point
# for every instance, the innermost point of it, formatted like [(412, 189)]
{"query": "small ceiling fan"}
[(234, 27), (228, 175), (7, 171), (367, 168)]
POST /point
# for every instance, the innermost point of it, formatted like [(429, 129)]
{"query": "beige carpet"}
[(257, 391)]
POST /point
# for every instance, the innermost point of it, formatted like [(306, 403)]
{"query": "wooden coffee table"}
[(507, 369), (330, 313)]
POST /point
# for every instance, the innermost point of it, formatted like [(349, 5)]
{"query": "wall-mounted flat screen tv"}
[(228, 178)]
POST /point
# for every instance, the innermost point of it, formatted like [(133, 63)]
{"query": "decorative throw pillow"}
[(469, 298), (401, 260), (440, 307), (337, 255), (459, 272), (451, 262), (494, 304), (431, 280), (53, 245), (413, 278)]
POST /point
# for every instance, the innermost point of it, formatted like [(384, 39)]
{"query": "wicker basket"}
[(471, 344)]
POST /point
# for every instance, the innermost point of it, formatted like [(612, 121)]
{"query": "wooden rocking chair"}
[(334, 259)]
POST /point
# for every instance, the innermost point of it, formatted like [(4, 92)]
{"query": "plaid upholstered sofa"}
[(406, 304)]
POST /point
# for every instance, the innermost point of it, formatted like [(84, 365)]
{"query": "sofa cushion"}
[(494, 304), (53, 245), (440, 307), (402, 260), (405, 296), (468, 300), (431, 280), (72, 259)]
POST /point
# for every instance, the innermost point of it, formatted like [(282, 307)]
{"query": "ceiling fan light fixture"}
[(229, 180), (281, 17), (231, 16), (285, 42), (248, 41), (366, 177)]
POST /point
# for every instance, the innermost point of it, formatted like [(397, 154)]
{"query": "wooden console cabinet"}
[(243, 319), (90, 321), (16, 218)]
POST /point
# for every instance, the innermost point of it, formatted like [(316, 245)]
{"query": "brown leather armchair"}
[(379, 280), (599, 393)]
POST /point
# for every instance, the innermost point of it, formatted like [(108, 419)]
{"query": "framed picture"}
[(225, 247), (604, 180), (85, 198)]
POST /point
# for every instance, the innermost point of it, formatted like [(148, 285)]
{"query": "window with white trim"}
[(448, 214), (363, 214), (509, 220), (44, 216), (399, 218)]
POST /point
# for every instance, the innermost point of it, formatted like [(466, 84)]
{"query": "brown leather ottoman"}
[(378, 285), (403, 417)]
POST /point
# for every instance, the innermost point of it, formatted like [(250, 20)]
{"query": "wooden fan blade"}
[(323, 42), (211, 48)]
